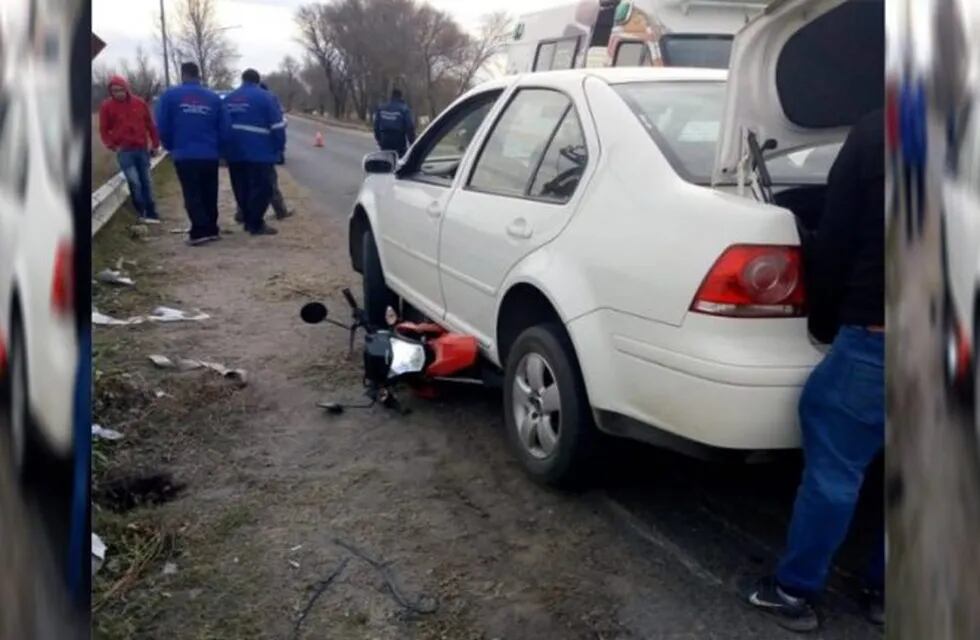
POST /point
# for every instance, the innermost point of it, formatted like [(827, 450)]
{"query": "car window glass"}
[(13, 152), (631, 54), (546, 56), (565, 54), (563, 163), (518, 141), (445, 152)]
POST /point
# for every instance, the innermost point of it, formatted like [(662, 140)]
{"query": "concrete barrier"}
[(107, 199)]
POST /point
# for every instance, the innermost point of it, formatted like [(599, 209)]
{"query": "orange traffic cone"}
[(318, 139)]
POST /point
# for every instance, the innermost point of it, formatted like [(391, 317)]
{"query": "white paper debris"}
[(110, 276), (167, 314), (296, 548), (160, 314), (98, 553), (170, 568), (294, 564), (185, 364), (98, 431), (104, 320), (162, 361)]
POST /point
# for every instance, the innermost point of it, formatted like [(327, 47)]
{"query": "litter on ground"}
[(160, 314), (98, 553), (98, 431), (239, 376), (112, 276)]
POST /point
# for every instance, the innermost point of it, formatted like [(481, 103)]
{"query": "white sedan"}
[(38, 342), (622, 242)]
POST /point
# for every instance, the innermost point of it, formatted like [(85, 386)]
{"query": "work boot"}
[(265, 231), (795, 614)]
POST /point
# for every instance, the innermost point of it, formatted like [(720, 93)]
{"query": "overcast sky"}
[(264, 29)]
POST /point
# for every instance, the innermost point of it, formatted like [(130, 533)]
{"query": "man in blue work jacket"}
[(193, 126), (394, 125), (258, 139)]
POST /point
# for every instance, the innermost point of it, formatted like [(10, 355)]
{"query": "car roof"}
[(611, 75)]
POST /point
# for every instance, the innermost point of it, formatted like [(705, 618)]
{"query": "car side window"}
[(13, 150), (563, 163), (441, 155), (520, 137)]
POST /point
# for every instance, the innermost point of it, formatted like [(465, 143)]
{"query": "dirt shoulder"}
[(265, 518)]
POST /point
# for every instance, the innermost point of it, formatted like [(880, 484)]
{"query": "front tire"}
[(377, 296), (19, 420), (547, 413)]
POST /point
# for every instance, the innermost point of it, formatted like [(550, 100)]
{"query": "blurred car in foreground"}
[(38, 338)]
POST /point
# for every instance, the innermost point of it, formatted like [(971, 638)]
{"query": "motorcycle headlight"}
[(406, 357)]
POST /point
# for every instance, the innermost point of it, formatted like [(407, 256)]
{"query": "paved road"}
[(722, 522), (332, 172)]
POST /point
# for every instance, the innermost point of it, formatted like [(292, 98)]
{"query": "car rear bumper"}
[(730, 405)]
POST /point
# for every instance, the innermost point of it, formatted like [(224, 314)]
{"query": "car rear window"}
[(684, 119)]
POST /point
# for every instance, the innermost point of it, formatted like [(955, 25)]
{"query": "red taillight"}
[(753, 281), (63, 280)]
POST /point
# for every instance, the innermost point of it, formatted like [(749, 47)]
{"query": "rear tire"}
[(549, 421), (19, 422), (377, 296)]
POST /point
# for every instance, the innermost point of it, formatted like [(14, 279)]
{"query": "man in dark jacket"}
[(127, 128), (193, 125), (394, 125), (842, 409), (258, 138)]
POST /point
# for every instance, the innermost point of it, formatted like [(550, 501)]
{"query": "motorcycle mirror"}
[(313, 313)]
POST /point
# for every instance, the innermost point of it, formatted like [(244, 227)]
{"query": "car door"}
[(518, 196), (13, 186), (413, 206)]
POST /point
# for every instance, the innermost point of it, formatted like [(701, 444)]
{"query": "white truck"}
[(602, 33)]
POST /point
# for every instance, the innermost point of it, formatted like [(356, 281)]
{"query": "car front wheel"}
[(377, 296), (18, 404), (549, 421)]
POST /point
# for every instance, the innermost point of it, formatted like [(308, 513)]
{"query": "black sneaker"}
[(288, 213), (874, 606), (791, 613), (197, 242), (265, 231), (239, 218)]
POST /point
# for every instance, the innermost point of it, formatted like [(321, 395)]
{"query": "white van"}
[(602, 33)]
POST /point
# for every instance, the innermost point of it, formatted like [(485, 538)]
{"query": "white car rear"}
[(38, 343), (569, 222)]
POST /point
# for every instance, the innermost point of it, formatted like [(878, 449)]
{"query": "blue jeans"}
[(842, 415), (135, 165)]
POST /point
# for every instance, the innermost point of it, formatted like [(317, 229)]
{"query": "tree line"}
[(356, 52)]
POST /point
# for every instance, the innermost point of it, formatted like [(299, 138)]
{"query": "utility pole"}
[(166, 57)]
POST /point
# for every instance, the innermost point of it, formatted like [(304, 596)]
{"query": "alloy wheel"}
[(537, 406)]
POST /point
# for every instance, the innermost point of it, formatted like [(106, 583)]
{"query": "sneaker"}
[(288, 213), (265, 231), (213, 238), (795, 614), (874, 606), (148, 220), (196, 242)]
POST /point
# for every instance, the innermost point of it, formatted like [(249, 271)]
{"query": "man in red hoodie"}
[(127, 128)]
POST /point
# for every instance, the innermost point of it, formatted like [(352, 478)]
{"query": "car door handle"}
[(519, 229), (434, 209)]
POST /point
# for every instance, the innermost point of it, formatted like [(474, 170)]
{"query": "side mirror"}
[(380, 162), (313, 313)]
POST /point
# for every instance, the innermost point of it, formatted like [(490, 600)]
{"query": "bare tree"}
[(489, 42), (316, 35), (198, 38), (286, 83), (144, 79), (318, 95)]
